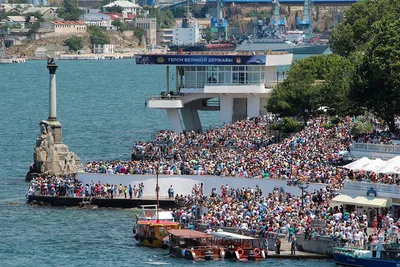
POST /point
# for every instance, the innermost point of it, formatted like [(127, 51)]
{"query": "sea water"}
[(101, 105)]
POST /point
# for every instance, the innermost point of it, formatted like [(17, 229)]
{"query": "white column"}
[(174, 120), (226, 109), (53, 97), (167, 81), (191, 119), (52, 67), (253, 106)]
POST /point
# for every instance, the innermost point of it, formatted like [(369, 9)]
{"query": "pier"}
[(124, 203)]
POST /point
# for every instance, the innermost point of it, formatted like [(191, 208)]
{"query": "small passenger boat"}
[(193, 245), (239, 247), (380, 255), (151, 229)]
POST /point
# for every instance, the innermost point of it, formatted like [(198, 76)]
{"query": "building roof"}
[(94, 17), (186, 233), (68, 22), (16, 18), (231, 236), (123, 4), (41, 10), (114, 16)]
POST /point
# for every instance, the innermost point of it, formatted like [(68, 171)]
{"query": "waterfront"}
[(101, 107)]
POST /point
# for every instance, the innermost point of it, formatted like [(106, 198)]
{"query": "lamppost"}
[(303, 187), (277, 76)]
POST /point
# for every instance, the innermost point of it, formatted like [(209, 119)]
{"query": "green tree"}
[(69, 10), (97, 35), (287, 125), (165, 18), (119, 24), (208, 34), (376, 79), (355, 31), (115, 9), (139, 33), (74, 43), (312, 83)]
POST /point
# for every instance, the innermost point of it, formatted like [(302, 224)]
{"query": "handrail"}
[(158, 97), (223, 53), (379, 187), (375, 147)]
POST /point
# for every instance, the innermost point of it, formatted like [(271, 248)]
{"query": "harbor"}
[(198, 157)]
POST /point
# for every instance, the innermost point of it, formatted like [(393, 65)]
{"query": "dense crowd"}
[(240, 149), (69, 186), (247, 209), (376, 137)]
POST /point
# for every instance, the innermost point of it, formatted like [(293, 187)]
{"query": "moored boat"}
[(193, 245), (150, 229), (239, 247), (379, 255)]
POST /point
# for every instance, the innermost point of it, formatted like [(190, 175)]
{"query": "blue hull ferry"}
[(380, 255)]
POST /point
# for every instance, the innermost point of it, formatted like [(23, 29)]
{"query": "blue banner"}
[(214, 60)]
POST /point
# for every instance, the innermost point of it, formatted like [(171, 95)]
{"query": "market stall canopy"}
[(358, 164), (368, 201)]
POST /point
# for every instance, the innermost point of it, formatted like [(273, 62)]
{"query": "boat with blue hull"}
[(380, 255)]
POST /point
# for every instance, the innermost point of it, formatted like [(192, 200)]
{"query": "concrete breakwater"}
[(183, 184), (99, 202)]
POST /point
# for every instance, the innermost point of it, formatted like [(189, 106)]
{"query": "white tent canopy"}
[(358, 164), (392, 166), (374, 165)]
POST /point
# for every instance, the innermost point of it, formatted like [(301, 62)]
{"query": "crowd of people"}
[(69, 186), (376, 137), (249, 210), (240, 149)]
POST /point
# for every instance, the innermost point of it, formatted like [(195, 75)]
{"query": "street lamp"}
[(277, 76), (303, 187)]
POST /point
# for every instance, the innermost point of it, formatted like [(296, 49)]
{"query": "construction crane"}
[(306, 22), (276, 19)]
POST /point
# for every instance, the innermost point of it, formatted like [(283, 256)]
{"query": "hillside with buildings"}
[(124, 26)]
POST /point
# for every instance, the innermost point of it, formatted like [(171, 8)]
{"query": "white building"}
[(96, 19), (186, 35), (128, 8), (236, 84), (103, 49)]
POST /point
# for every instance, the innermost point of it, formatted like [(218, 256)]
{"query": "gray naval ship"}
[(276, 39)]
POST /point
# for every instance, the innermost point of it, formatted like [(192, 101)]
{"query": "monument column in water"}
[(51, 156), (52, 67)]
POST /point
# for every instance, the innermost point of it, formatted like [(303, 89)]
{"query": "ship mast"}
[(157, 193)]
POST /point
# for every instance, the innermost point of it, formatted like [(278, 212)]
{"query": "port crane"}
[(306, 22), (276, 18)]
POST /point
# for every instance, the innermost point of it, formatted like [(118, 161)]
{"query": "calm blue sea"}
[(101, 108)]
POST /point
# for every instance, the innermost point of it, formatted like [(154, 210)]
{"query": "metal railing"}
[(158, 97), (379, 187), (376, 147)]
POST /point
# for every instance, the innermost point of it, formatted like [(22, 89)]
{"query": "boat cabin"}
[(239, 247), (193, 245)]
